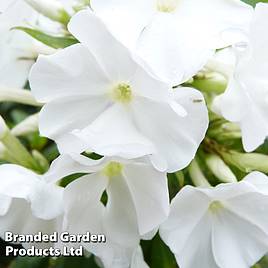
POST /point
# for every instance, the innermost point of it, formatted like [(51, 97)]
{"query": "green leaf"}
[(157, 254), (254, 2), (49, 40), (71, 262), (30, 262)]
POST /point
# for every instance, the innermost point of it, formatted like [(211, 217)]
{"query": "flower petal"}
[(115, 61), (79, 112), (125, 25), (54, 76), (120, 219), (176, 138), (114, 133), (188, 208), (149, 192), (237, 242)]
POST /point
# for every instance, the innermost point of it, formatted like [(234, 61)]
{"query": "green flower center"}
[(167, 6), (113, 169), (122, 93), (215, 207)]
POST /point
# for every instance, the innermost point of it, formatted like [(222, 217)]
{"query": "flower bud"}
[(17, 95), (29, 125), (3, 128), (197, 175), (210, 82), (52, 9), (247, 162), (81, 4), (220, 169), (41, 160)]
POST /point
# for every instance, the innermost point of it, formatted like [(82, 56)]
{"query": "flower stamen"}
[(113, 169), (122, 93), (215, 207), (167, 6)]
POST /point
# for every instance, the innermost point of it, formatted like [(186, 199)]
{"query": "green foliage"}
[(30, 262), (254, 2), (49, 40), (157, 254), (62, 262)]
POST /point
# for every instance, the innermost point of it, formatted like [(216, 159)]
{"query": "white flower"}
[(18, 50), (221, 227), (28, 203), (246, 98), (109, 104), (137, 203), (175, 37), (16, 53)]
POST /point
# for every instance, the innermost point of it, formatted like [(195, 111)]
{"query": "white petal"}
[(83, 209), (198, 249), (188, 208), (176, 138), (252, 208), (126, 25), (20, 220), (55, 77), (5, 202), (149, 192), (145, 84), (137, 259), (174, 56), (248, 88), (14, 71), (17, 182), (78, 113), (114, 133), (120, 218), (259, 180), (66, 165), (16, 218), (237, 242), (116, 61), (47, 201)]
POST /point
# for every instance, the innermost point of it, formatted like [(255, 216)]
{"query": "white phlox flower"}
[(175, 37), (16, 52), (28, 204), (245, 101), (137, 202), (108, 103), (221, 227)]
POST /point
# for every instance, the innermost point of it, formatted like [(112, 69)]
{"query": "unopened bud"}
[(81, 4), (210, 82), (220, 169), (41, 160), (3, 128), (52, 9), (29, 125), (17, 95), (247, 162), (197, 175)]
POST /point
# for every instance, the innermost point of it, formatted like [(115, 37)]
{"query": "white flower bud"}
[(3, 128), (17, 95), (197, 175), (247, 162), (220, 169), (29, 125)]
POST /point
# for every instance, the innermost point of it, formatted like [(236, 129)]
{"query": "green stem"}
[(18, 152)]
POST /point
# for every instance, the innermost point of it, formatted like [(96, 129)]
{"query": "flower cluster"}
[(147, 102)]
